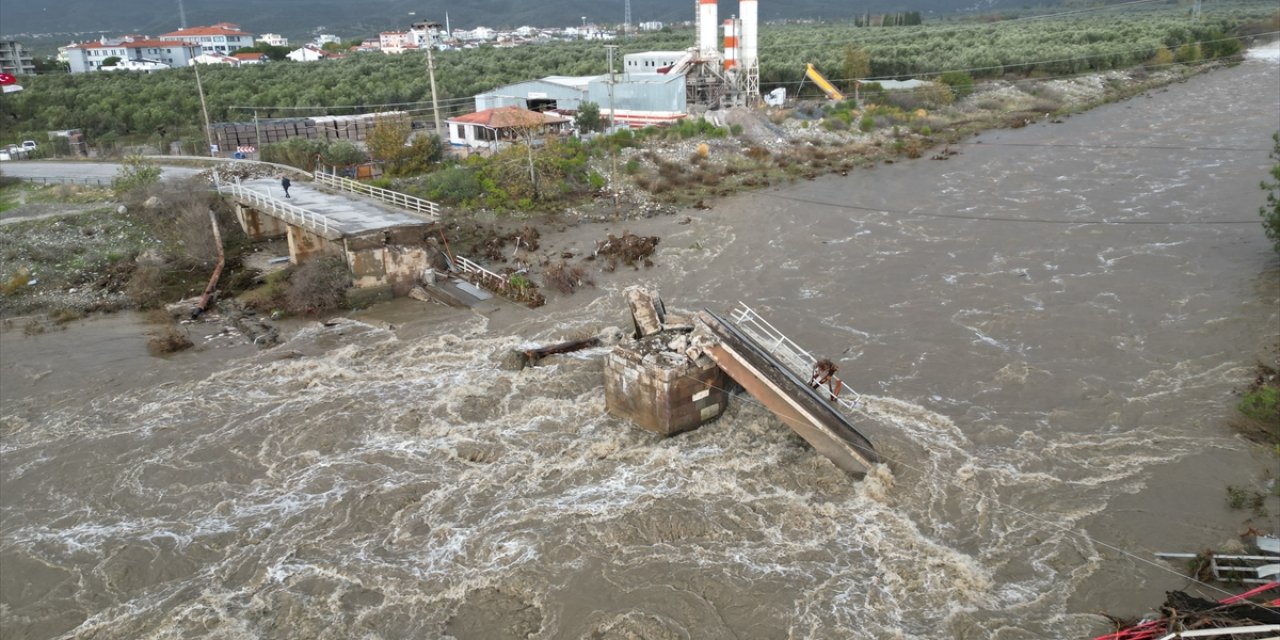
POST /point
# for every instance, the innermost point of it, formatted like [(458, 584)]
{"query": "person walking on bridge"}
[(284, 184)]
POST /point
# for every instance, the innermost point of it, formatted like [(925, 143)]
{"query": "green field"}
[(161, 107)]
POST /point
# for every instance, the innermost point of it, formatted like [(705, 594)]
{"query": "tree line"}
[(164, 106)]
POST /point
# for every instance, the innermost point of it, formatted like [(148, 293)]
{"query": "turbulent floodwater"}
[(1048, 329)]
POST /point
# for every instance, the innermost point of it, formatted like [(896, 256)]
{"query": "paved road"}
[(79, 169)]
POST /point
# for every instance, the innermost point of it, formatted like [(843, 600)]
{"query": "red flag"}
[(7, 79)]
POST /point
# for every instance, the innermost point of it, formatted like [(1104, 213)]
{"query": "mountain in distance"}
[(348, 18)]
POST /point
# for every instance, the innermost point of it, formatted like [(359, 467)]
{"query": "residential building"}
[(88, 56), (15, 60), (326, 38), (137, 65), (250, 58), (223, 37), (216, 58), (310, 53), (492, 128), (273, 39), (393, 41)]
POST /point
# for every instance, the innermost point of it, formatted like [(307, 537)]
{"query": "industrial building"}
[(657, 87)]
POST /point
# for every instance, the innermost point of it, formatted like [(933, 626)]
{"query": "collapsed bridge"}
[(675, 376)]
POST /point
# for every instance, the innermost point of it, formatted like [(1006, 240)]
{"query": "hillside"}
[(298, 18)]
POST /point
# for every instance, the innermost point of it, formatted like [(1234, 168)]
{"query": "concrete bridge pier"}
[(258, 225)]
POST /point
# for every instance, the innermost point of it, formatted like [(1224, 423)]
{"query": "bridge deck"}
[(805, 410), (332, 215)]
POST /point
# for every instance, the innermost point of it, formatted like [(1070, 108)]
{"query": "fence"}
[(791, 354), (486, 277), (283, 210), (405, 201), (99, 182)]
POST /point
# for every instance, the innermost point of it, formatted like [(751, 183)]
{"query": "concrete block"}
[(662, 391)]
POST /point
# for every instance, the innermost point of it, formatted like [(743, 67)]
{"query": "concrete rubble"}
[(663, 381)]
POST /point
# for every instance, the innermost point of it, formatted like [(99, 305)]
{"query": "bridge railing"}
[(283, 210), (487, 277), (403, 200), (98, 182), (786, 350)]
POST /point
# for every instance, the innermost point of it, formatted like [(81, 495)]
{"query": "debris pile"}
[(1183, 612), (630, 249)]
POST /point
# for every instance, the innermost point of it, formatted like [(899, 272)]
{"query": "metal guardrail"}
[(465, 265), (787, 351), (100, 182), (405, 201), (282, 210)]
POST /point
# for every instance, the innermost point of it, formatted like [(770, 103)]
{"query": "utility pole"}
[(204, 108), (257, 135), (613, 154), (626, 19), (435, 106)]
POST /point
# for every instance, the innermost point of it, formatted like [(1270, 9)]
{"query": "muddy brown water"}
[(1047, 328)]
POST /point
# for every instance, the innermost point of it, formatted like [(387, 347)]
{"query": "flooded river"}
[(1048, 329)]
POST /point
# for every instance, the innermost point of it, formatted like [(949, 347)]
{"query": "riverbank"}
[(1047, 366)]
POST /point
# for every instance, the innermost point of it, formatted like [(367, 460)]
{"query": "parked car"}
[(28, 145)]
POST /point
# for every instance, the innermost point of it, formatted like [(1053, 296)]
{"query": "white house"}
[(326, 38), (216, 58), (309, 53), (273, 39), (137, 65), (250, 58), (491, 128), (88, 56), (223, 37)]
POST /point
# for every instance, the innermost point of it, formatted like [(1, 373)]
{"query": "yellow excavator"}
[(812, 73)]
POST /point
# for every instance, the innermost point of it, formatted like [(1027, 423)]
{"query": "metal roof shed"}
[(555, 92), (657, 94)]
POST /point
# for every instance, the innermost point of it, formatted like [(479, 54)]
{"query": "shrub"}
[(866, 124), (1270, 211), (343, 153), (1262, 404), (588, 118), (960, 82), (17, 280), (455, 185), (145, 286), (631, 167), (169, 339), (1162, 58), (735, 129), (835, 124), (295, 152), (318, 286), (136, 173)]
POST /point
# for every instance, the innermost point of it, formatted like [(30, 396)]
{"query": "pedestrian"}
[(284, 183)]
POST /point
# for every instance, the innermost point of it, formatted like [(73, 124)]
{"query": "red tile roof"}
[(220, 29), (506, 117), (136, 44), (249, 56)]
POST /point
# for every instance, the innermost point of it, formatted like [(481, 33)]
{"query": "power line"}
[(995, 500), (960, 216), (1133, 147), (878, 34), (1029, 64)]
